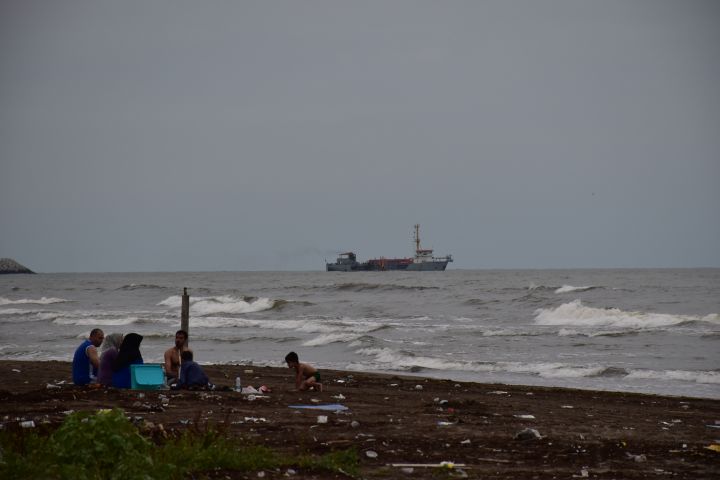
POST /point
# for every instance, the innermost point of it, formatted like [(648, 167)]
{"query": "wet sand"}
[(406, 420)]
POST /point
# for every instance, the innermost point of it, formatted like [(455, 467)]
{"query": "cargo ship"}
[(423, 261)]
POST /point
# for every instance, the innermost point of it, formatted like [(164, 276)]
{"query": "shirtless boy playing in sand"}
[(306, 376)]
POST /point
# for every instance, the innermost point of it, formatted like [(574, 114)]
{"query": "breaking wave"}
[(224, 304), (96, 321), (570, 288), (140, 286), (388, 359), (331, 338), (681, 375), (578, 315), (346, 326), (25, 301)]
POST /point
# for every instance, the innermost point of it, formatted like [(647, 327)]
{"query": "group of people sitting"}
[(111, 367)]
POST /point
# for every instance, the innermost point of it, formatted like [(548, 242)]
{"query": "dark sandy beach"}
[(400, 420)]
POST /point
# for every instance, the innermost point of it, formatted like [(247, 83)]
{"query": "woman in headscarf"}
[(129, 354), (108, 353)]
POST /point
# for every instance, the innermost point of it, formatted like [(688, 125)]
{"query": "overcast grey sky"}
[(234, 135)]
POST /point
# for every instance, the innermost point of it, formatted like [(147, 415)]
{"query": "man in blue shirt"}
[(85, 361)]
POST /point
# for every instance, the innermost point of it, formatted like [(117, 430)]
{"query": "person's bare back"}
[(307, 377)]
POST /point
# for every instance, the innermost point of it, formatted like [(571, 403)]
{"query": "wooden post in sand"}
[(185, 313)]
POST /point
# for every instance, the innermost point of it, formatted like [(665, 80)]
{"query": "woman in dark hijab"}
[(129, 354)]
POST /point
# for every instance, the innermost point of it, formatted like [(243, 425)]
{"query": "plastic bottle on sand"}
[(238, 386)]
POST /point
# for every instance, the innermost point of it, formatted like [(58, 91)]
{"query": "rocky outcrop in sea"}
[(8, 265)]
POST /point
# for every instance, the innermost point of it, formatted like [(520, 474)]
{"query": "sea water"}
[(652, 331)]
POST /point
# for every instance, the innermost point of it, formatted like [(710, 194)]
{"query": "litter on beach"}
[(332, 407), (526, 417), (428, 465)]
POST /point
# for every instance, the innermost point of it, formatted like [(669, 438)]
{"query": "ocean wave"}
[(299, 325), (478, 301), (530, 298), (681, 375), (15, 311), (386, 358), (578, 315), (96, 321), (568, 332), (331, 338), (570, 288), (221, 304), (15, 315), (389, 359), (25, 301), (140, 286), (359, 287), (509, 333)]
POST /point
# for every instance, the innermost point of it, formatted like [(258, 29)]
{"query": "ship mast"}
[(417, 237)]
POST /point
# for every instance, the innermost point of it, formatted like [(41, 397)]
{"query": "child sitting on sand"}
[(306, 376), (192, 375)]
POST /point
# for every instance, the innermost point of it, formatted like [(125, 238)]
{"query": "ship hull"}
[(428, 266), (375, 266)]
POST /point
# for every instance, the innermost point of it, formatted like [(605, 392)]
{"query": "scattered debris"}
[(497, 392), (636, 458), (528, 434), (322, 419), (444, 464), (526, 417), (418, 387), (371, 454), (27, 424)]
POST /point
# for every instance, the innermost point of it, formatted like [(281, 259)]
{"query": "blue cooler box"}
[(149, 376)]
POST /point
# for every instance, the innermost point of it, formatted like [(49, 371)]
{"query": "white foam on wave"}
[(385, 358), (578, 315), (681, 375), (388, 359), (344, 326), (13, 311), (570, 288), (220, 304), (331, 338), (96, 321), (30, 301), (569, 332)]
